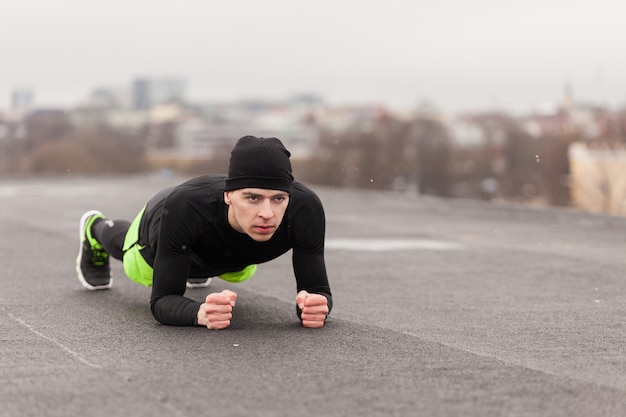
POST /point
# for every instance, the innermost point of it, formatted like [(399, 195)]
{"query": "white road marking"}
[(382, 244), (59, 344)]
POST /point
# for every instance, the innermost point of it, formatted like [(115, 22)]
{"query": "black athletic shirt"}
[(186, 233)]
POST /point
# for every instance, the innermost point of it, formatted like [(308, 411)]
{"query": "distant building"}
[(598, 177), (200, 136), (466, 132), (22, 100), (104, 98), (150, 92), (180, 137)]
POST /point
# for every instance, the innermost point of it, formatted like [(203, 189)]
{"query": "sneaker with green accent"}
[(92, 263)]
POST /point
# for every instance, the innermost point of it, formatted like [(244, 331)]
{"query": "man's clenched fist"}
[(217, 310), (314, 309)]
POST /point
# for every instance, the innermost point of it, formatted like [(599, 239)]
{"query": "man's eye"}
[(252, 198)]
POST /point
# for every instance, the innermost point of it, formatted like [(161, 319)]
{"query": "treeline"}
[(419, 155), (47, 142)]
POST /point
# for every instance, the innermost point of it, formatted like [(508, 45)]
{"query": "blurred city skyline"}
[(486, 54)]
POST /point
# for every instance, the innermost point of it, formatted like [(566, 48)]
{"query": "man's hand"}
[(215, 313), (314, 309)]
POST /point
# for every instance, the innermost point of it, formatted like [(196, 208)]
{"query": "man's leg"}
[(111, 234), (198, 282), (236, 276)]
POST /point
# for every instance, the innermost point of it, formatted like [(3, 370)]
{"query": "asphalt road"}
[(442, 308)]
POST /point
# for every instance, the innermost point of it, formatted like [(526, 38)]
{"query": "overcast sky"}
[(457, 54)]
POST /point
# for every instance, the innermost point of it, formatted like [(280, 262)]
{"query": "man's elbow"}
[(155, 310)]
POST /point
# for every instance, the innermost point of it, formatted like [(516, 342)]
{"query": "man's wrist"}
[(198, 320)]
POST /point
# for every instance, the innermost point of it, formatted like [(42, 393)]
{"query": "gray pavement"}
[(442, 308)]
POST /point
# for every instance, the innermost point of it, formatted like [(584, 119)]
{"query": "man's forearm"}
[(175, 310)]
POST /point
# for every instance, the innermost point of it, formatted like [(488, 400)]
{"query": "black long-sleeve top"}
[(185, 233)]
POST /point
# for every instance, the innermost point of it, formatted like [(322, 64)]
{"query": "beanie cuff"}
[(281, 184)]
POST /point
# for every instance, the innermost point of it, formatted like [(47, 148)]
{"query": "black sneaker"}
[(198, 282), (92, 263)]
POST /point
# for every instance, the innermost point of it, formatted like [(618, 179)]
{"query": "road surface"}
[(442, 308)]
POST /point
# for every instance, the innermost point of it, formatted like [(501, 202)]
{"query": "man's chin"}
[(261, 237)]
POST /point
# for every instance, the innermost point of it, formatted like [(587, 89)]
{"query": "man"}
[(216, 225)]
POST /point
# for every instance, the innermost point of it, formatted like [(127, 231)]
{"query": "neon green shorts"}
[(140, 271)]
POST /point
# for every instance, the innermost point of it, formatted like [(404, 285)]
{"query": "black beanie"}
[(259, 163)]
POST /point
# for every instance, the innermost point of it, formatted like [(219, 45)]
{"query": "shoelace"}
[(98, 256)]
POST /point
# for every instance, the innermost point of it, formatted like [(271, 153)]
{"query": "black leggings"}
[(111, 234)]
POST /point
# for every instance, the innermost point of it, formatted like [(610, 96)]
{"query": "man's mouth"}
[(264, 228)]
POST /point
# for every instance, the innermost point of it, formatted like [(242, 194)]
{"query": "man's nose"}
[(266, 209)]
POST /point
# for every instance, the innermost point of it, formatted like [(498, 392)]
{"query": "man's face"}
[(256, 212)]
